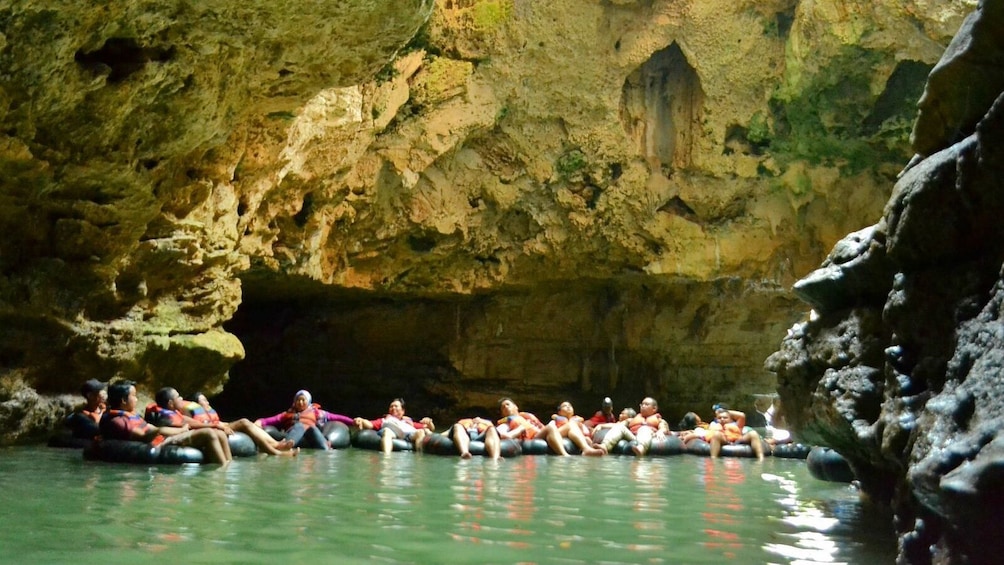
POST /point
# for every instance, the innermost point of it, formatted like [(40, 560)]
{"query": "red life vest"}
[(312, 416), (133, 422), (163, 417)]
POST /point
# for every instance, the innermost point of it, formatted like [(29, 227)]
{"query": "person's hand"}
[(226, 428), (258, 423)]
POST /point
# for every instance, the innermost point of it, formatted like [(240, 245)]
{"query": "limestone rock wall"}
[(900, 367), (154, 155)]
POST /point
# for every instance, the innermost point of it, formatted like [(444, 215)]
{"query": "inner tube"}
[(440, 444), (826, 464), (701, 447), (66, 439), (537, 446), (370, 439), (791, 451), (241, 445), (338, 434), (669, 445), (121, 451)]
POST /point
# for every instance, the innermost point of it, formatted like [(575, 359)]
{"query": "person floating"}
[(647, 425), (83, 423), (728, 428), (525, 426), (122, 422), (302, 422), (395, 425), (573, 427)]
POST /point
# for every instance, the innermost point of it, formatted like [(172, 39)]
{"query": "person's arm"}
[(332, 417), (739, 417), (273, 421), (425, 423), (364, 424), (506, 433)]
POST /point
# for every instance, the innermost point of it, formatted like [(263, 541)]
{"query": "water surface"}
[(357, 506)]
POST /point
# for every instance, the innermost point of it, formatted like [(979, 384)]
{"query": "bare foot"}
[(285, 445), (638, 450), (594, 452), (465, 455)]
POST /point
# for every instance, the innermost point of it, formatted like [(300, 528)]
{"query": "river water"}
[(357, 506)]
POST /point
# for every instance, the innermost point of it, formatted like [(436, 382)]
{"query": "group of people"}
[(110, 412)]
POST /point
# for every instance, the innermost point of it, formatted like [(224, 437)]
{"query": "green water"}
[(356, 506)]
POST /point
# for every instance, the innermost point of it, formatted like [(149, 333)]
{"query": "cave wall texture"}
[(456, 200), (900, 367)]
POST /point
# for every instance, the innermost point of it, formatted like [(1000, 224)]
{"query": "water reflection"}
[(358, 507), (724, 509)]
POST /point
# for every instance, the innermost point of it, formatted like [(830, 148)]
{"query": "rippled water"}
[(356, 506)]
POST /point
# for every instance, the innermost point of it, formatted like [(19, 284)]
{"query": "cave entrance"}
[(688, 344), (661, 106)]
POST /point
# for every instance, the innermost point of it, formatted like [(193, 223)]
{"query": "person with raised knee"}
[(122, 422), (526, 426), (573, 427), (396, 425), (728, 428), (302, 422), (647, 425)]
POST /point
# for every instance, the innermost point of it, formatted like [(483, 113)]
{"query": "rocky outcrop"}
[(626, 188), (900, 366)]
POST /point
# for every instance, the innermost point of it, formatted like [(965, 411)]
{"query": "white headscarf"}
[(303, 393)]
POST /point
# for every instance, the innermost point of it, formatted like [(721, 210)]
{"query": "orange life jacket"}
[(731, 431), (163, 417), (468, 424), (133, 422), (201, 415), (310, 417), (525, 420), (638, 421)]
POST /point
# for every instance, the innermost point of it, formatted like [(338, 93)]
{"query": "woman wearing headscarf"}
[(302, 422)]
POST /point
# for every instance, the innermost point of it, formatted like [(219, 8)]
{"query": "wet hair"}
[(401, 400), (720, 406), (631, 412), (689, 421), (502, 401), (118, 392)]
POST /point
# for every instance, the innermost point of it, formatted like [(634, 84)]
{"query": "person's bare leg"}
[(462, 441), (716, 443), (553, 438), (579, 439), (260, 437), (418, 440), (387, 441), (493, 444), (206, 441), (644, 439), (756, 444), (224, 441)]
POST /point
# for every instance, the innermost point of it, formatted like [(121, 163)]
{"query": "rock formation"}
[(900, 367), (452, 200)]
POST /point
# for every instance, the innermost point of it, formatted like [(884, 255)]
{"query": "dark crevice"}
[(120, 57)]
